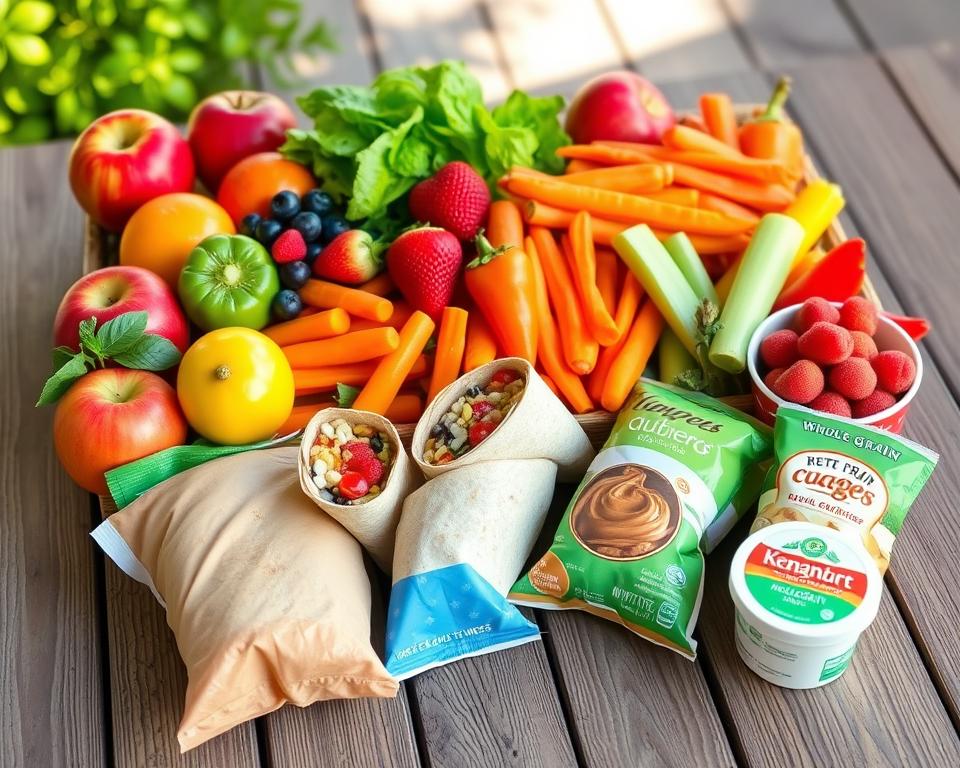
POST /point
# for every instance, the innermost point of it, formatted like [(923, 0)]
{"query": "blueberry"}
[(249, 224), (317, 202), (313, 251), (285, 205), (474, 391), (286, 305), (376, 443), (437, 430), (268, 230), (294, 274), (332, 224), (307, 224)]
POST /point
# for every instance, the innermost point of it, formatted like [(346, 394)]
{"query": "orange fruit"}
[(163, 231), (251, 183)]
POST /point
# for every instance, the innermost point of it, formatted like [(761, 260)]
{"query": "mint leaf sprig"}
[(122, 340)]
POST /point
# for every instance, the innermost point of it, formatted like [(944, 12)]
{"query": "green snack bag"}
[(677, 472), (843, 475)]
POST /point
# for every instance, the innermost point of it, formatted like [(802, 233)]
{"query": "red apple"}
[(124, 159), (618, 106), (229, 126), (113, 416), (111, 291)]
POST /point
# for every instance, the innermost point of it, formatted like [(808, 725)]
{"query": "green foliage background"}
[(65, 62)]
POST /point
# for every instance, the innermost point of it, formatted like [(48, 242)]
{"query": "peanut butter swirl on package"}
[(676, 473)]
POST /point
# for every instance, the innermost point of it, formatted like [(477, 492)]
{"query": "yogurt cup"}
[(803, 594)]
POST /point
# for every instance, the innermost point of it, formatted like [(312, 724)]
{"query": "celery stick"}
[(763, 270), (662, 280), (687, 259), (673, 358)]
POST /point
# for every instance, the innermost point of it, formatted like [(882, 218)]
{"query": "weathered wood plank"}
[(676, 40), (890, 23), (782, 32), (884, 710), (51, 703), (425, 31), (552, 47)]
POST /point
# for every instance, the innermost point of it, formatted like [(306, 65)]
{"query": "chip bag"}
[(677, 472), (847, 476)]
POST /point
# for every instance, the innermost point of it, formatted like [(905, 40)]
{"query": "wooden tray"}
[(100, 250)]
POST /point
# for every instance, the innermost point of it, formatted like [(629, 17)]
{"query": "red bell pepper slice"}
[(916, 327), (836, 277)]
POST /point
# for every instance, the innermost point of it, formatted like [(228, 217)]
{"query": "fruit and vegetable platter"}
[(487, 289)]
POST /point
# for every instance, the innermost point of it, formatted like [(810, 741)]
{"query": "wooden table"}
[(89, 673)]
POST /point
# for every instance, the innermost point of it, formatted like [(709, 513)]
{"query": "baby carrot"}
[(407, 407), (607, 262), (719, 118), (550, 385), (320, 293), (630, 297), (633, 357), (619, 205), (349, 348), (575, 166), (690, 139), (387, 378), (321, 325), (310, 381), (549, 348), (711, 202), (449, 352), (637, 179), (583, 264), (579, 350), (401, 313), (481, 346), (676, 195), (381, 285)]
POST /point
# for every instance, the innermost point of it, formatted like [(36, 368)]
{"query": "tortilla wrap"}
[(373, 523), (539, 426)]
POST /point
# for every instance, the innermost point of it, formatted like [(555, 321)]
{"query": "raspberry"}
[(859, 314), (815, 310), (480, 431), (876, 401), (800, 383), (481, 408), (853, 378), (772, 377), (863, 345), (895, 371), (831, 402), (363, 460), (290, 246), (825, 343), (779, 349), (353, 485)]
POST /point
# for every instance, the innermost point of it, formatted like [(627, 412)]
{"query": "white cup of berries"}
[(846, 359)]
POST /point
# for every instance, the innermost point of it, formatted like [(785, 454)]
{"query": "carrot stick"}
[(633, 357), (381, 285), (401, 313), (299, 417), (619, 205), (339, 350), (550, 385), (636, 179), (310, 381), (719, 118), (549, 347), (575, 166), (481, 346), (607, 262), (691, 140), (321, 325), (387, 378), (407, 407), (504, 224), (320, 293), (449, 352), (711, 202), (583, 265), (579, 350), (676, 195), (630, 296)]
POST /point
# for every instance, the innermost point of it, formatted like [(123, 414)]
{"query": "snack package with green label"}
[(843, 475), (677, 472)]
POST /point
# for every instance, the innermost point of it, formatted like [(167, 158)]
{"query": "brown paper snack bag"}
[(268, 598), (373, 522)]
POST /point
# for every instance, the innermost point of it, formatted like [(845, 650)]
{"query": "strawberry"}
[(290, 246), (825, 343), (779, 349), (859, 314), (800, 383), (362, 459), (863, 345), (815, 310), (876, 401), (481, 408), (895, 371), (772, 376), (352, 257), (353, 485), (831, 402), (424, 264), (853, 378), (480, 431), (456, 198)]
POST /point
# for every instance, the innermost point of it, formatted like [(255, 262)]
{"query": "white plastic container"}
[(803, 594)]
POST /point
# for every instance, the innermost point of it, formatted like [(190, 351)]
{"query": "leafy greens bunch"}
[(372, 144)]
